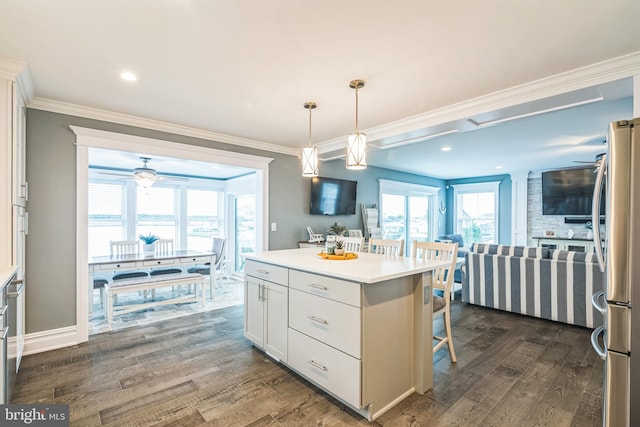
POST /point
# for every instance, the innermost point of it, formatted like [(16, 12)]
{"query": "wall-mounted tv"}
[(569, 192), (331, 196)]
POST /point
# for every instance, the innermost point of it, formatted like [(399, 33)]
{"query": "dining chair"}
[(386, 247), (98, 283), (354, 233), (442, 280), (164, 246), (218, 260), (353, 244), (124, 247)]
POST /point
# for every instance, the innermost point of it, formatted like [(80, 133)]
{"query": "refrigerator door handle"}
[(595, 302), (595, 214), (596, 345)]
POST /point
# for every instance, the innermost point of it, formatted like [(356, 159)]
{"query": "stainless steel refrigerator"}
[(617, 341)]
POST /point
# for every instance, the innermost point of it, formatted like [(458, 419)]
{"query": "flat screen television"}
[(569, 192), (331, 196)]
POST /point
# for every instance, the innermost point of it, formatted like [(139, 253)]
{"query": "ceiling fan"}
[(145, 176)]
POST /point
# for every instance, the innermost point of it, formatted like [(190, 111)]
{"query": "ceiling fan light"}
[(357, 151), (310, 161), (144, 181)]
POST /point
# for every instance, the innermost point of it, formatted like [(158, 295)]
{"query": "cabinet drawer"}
[(327, 287), (195, 260), (272, 273), (331, 369), (155, 262), (115, 266), (328, 321)]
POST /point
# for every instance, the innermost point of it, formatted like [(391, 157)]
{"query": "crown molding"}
[(130, 120), (580, 78), (125, 142), (19, 72)]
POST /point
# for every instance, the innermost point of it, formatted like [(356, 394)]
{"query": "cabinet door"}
[(576, 246), (275, 332), (253, 311)]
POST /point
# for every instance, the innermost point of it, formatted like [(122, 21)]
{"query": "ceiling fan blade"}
[(172, 178), (127, 175)]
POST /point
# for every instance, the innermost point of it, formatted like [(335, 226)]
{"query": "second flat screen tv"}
[(569, 192), (331, 196)]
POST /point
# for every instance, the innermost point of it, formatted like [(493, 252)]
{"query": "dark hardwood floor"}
[(199, 370)]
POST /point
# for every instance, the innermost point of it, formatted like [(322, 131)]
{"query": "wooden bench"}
[(114, 288)]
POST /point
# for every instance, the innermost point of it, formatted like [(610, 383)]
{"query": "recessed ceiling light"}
[(445, 149), (498, 167), (128, 76)]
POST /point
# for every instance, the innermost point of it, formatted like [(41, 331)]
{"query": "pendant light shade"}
[(310, 153), (357, 141), (357, 151)]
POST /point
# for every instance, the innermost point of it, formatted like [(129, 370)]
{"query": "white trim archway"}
[(91, 138)]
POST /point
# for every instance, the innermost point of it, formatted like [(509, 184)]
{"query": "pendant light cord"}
[(356, 108), (310, 127)]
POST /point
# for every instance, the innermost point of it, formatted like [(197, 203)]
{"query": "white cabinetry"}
[(353, 339), (266, 303), (360, 330), (325, 333), (576, 245), (13, 196)]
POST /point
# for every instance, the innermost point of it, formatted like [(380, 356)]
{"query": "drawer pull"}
[(262, 272), (317, 319), (316, 364), (17, 292), (5, 331), (313, 285)]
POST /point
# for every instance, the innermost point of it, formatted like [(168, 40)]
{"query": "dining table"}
[(107, 265)]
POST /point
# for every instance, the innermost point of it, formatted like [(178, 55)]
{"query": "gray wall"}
[(51, 173)]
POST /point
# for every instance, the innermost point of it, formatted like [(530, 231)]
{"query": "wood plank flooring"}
[(199, 370)]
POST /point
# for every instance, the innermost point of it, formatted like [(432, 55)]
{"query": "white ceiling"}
[(242, 70)]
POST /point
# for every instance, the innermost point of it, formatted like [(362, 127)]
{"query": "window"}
[(245, 223), (203, 221), (156, 212), (107, 210), (407, 212), (190, 214), (476, 212)]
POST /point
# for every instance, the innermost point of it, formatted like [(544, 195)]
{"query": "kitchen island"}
[(360, 329)]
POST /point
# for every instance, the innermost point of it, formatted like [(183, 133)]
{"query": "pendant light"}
[(357, 141), (310, 153)]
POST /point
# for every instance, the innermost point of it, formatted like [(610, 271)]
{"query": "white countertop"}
[(6, 273), (367, 268)]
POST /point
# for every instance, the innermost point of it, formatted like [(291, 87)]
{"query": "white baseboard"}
[(42, 341)]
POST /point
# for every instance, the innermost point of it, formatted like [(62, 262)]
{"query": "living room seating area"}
[(550, 284)]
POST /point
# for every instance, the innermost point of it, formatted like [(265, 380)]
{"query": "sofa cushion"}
[(484, 248), (508, 250), (572, 256)]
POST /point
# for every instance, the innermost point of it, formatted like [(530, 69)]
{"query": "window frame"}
[(479, 187), (407, 189)]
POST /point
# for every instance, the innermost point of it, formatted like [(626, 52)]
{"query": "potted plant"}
[(149, 247), (589, 226), (339, 248), (337, 229)]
